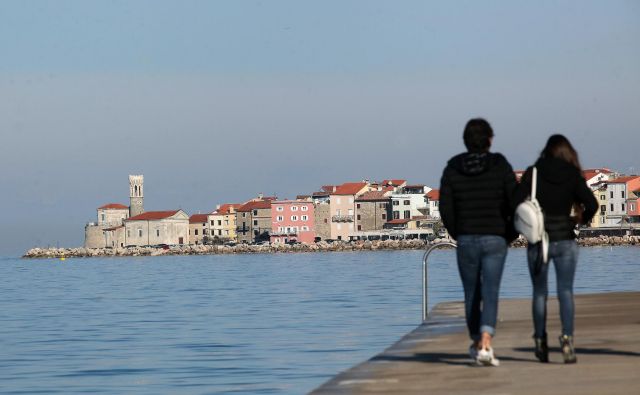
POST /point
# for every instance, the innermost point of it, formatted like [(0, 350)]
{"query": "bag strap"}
[(534, 182)]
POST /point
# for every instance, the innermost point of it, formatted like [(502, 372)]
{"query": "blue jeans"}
[(564, 254), (480, 263)]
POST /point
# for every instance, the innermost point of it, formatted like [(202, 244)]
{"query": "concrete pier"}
[(433, 359)]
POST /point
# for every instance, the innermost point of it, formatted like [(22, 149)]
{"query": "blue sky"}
[(215, 101)]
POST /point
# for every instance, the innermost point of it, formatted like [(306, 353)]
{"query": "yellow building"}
[(600, 193), (222, 222)]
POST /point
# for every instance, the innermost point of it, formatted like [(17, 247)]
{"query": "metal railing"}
[(425, 257), (342, 218)]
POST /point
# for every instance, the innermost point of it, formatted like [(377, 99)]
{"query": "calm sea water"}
[(244, 324)]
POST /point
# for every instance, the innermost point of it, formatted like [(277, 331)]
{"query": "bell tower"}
[(136, 195)]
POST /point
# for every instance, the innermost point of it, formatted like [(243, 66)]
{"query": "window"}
[(220, 232), (622, 206), (611, 194), (195, 232), (622, 194), (280, 208), (358, 205), (407, 214), (255, 232), (602, 197), (396, 202), (279, 218), (244, 215), (359, 227), (226, 222), (602, 220), (294, 217), (632, 207), (220, 222), (304, 208), (213, 222), (603, 208), (358, 217), (396, 215), (255, 212), (305, 228), (255, 222), (139, 232), (103, 216), (128, 233), (294, 208), (407, 202), (158, 232), (383, 205), (305, 217), (384, 216), (611, 205), (326, 221)]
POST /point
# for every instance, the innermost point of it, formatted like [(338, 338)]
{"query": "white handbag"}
[(529, 219)]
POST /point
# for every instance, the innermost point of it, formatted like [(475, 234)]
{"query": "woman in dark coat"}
[(566, 201)]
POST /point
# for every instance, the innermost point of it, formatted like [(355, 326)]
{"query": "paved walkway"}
[(433, 358)]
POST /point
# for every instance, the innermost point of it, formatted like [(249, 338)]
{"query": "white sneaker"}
[(486, 357)]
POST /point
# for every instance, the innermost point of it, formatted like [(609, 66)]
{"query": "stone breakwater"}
[(280, 248)]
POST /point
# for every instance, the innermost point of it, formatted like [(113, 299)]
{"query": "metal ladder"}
[(424, 274)]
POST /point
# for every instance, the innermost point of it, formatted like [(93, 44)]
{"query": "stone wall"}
[(322, 221), (93, 236)]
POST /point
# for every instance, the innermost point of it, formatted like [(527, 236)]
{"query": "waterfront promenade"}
[(433, 358)]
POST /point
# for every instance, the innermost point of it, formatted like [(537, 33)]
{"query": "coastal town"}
[(391, 209)]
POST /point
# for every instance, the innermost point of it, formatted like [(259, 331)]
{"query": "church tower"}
[(136, 195)]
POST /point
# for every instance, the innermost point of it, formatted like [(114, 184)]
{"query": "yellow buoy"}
[(62, 258)]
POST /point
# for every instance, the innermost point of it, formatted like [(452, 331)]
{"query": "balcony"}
[(342, 218), (291, 232)]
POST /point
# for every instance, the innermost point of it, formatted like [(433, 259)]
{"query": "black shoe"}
[(542, 349), (568, 352)]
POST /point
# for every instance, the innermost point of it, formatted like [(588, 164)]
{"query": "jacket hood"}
[(474, 163), (555, 171)]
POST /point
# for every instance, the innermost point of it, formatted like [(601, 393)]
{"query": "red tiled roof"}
[(414, 186), (327, 188), (393, 182), (398, 221), (114, 206), (153, 215), (261, 204), (349, 188), (226, 208), (198, 218), (622, 180), (433, 194), (373, 195), (590, 173)]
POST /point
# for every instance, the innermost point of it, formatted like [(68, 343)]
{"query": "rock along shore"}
[(280, 248)]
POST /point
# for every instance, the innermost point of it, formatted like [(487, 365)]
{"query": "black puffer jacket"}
[(476, 195), (560, 185)]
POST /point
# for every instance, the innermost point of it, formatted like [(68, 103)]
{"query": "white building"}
[(409, 202), (157, 227)]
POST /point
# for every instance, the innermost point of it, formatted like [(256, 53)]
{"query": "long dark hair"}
[(559, 147)]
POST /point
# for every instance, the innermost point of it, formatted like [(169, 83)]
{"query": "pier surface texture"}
[(433, 359)]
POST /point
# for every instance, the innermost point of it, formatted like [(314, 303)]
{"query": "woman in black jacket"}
[(566, 201)]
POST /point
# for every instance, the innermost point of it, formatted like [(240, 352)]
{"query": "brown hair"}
[(559, 147)]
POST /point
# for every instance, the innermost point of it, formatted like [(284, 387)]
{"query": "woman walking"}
[(476, 195), (566, 201)]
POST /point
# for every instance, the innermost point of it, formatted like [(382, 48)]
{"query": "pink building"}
[(292, 220)]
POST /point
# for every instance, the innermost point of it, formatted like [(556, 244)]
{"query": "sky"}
[(217, 101)]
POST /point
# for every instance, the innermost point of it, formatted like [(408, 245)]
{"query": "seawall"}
[(382, 245)]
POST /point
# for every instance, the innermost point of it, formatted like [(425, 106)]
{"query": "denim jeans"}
[(480, 263), (564, 254)]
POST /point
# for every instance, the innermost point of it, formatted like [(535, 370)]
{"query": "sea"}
[(232, 324)]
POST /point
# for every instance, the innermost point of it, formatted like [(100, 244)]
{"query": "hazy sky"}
[(215, 101)]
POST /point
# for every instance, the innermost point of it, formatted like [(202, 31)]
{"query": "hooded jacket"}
[(476, 195), (559, 186)]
